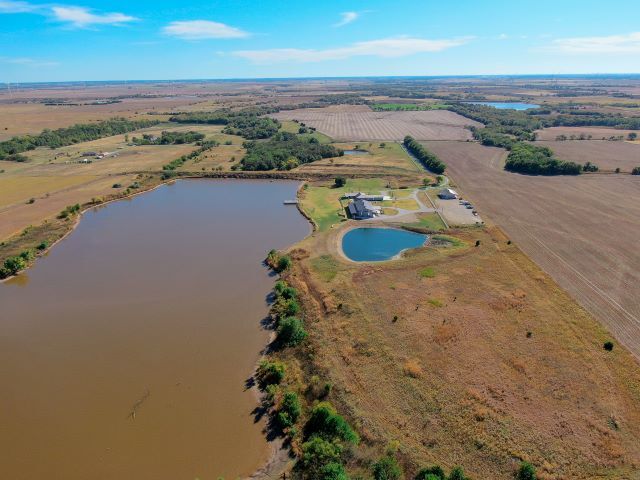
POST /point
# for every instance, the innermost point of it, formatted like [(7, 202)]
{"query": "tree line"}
[(247, 123), (168, 138), (81, 132), (430, 161)]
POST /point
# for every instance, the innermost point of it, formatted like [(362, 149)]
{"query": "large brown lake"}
[(124, 352)]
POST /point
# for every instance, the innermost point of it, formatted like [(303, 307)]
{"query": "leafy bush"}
[(608, 346), (339, 182), (270, 373), (589, 167), (457, 474), (284, 263), (325, 422), (431, 473), (635, 171), (430, 161), (526, 472), (291, 332), (386, 468)]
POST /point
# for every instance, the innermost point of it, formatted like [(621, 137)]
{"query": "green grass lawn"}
[(292, 127), (323, 203), (429, 220)]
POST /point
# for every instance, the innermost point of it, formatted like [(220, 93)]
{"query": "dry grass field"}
[(359, 123), (389, 160), (481, 363), (607, 155), (53, 178), (582, 230)]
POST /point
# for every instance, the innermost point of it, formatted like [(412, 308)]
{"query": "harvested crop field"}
[(606, 155), (582, 230), (359, 123), (597, 133)]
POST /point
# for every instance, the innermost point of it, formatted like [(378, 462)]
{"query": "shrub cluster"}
[(285, 151), (70, 211), (278, 262), (13, 265), (70, 135), (430, 161), (635, 171), (178, 162)]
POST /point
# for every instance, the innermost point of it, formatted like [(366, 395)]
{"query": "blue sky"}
[(127, 40)]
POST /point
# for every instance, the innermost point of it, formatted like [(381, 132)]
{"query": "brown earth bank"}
[(359, 123), (484, 363), (583, 230)]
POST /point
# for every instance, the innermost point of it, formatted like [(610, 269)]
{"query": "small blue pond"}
[(377, 244), (356, 152), (508, 105)]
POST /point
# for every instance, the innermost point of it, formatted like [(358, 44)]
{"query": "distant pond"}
[(356, 152), (508, 105), (377, 244)]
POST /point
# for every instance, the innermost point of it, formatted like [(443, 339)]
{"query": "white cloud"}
[(386, 47), (347, 17), (83, 17), (16, 7), (629, 43), (28, 62), (203, 29)]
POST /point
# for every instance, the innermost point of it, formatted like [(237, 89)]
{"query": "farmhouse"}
[(448, 194), (362, 209)]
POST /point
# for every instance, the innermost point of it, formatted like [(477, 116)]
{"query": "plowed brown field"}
[(607, 155), (358, 123), (582, 230)]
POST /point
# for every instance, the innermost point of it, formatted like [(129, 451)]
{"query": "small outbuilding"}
[(447, 194)]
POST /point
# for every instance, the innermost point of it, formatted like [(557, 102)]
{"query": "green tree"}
[(284, 263), (333, 471), (386, 468), (317, 453), (290, 410), (339, 182), (291, 332), (632, 136)]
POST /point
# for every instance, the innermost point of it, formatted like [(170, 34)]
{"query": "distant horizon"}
[(347, 77)]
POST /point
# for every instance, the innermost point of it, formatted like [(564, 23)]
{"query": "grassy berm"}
[(469, 355)]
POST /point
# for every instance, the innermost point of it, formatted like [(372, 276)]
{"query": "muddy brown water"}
[(124, 352)]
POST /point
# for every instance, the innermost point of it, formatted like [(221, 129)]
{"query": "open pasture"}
[(359, 123), (582, 230)]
